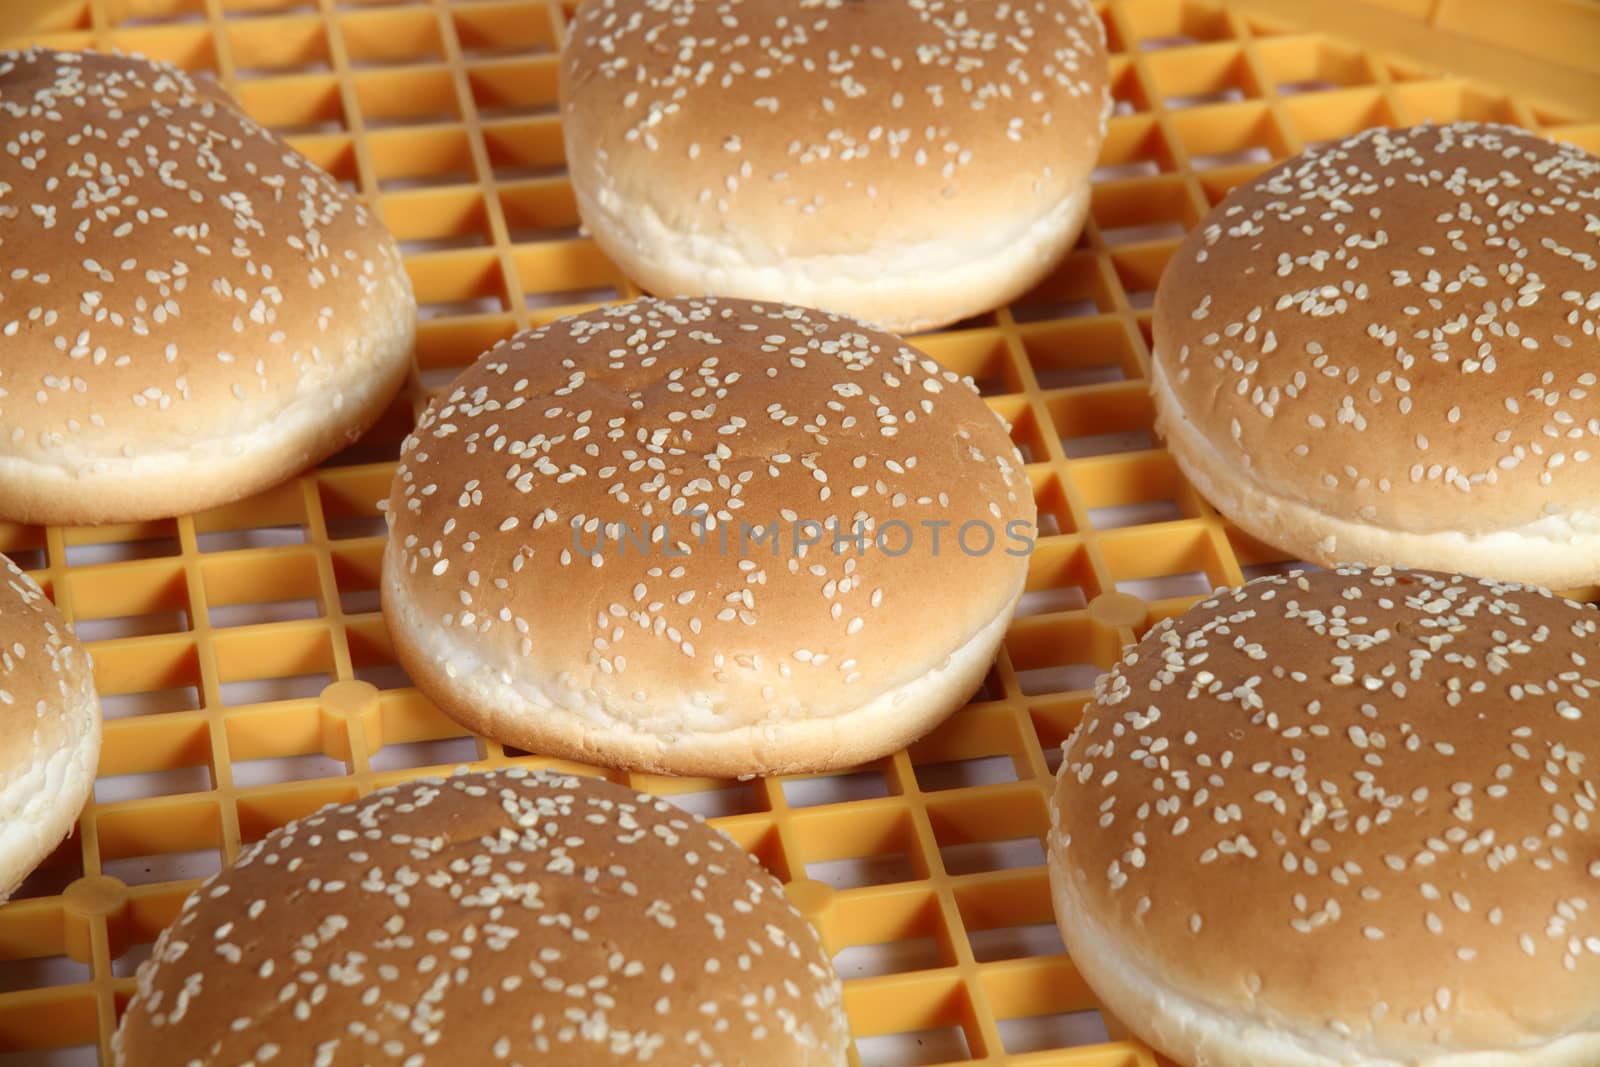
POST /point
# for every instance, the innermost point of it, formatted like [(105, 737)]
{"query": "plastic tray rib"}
[(247, 675)]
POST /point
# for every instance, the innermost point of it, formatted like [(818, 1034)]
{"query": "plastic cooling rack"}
[(246, 672)]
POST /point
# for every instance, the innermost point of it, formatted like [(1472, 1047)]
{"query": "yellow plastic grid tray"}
[(247, 675)]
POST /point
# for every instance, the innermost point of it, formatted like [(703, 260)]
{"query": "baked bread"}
[(191, 311), (508, 916), (910, 163), (1384, 351), (1343, 818), (49, 727), (598, 540)]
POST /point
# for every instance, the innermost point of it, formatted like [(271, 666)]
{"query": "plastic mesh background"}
[(246, 673)]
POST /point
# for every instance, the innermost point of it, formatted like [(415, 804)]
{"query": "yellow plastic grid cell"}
[(539, 210), (512, 87), (1300, 64), (1077, 286), (1159, 24), (1128, 95), (497, 27), (452, 284), (1126, 490), (387, 36), (1217, 135), (1332, 116), (1058, 656), (1110, 420), (332, 151), (1205, 74), (1170, 567), (588, 277), (1451, 100), (287, 44), (986, 747), (435, 155), (239, 8), (299, 104), (434, 220), (129, 599), (49, 1021), (1086, 351), (1025, 433), (189, 47), (162, 839), (894, 932), (147, 676), (1061, 578), (247, 675), (1057, 512)]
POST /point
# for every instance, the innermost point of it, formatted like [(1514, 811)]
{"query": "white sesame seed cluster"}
[(1388, 777), (501, 917), (1386, 350), (49, 727), (191, 311), (912, 162), (549, 583)]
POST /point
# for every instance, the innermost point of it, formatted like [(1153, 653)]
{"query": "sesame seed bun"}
[(191, 311), (508, 916), (1341, 818), (49, 727), (1385, 351), (910, 163), (548, 583)]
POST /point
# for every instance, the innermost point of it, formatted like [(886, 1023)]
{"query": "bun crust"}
[(507, 916), (908, 163), (191, 310), (595, 540), (1384, 351), (1343, 817), (49, 727)]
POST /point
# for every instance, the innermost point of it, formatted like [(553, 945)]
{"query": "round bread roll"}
[(49, 728), (910, 163), (191, 311), (1385, 352), (502, 917), (598, 540), (1343, 818)]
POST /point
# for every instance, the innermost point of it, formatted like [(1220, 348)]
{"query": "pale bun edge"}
[(478, 698), (213, 471), (1197, 1034), (904, 289), (41, 804), (1507, 554)]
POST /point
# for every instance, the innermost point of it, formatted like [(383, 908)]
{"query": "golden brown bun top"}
[(1361, 800), (44, 676), (1400, 329), (642, 416), (835, 125), (485, 918), (168, 268)]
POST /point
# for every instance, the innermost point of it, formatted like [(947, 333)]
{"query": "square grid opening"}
[(213, 636)]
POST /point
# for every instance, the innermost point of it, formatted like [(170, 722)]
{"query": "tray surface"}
[(246, 673)]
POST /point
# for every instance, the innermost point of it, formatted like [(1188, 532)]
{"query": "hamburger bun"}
[(49, 728), (908, 163), (598, 540), (191, 311), (501, 917), (1384, 351), (1343, 818)]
